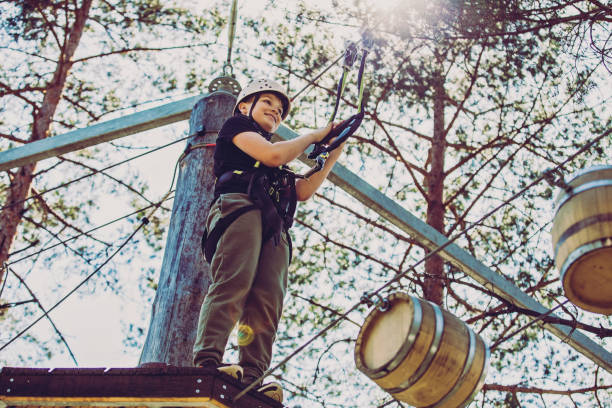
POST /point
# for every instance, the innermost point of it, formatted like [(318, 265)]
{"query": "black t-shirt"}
[(228, 157)]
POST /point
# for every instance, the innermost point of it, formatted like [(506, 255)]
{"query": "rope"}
[(231, 33), (413, 267)]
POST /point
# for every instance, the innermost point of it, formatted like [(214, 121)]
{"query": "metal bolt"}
[(199, 380), (12, 379), (224, 387), (197, 391), (222, 396), (8, 390)]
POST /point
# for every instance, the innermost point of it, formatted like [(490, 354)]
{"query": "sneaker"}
[(233, 370), (271, 390)]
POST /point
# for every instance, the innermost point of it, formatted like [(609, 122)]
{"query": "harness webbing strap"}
[(346, 128), (349, 59), (209, 241)]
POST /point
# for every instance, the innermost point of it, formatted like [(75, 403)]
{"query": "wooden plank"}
[(432, 239), (98, 133), (166, 386), (30, 402)]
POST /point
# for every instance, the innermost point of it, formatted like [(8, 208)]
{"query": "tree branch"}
[(13, 138), (535, 390), (140, 49), (47, 208), (368, 221)]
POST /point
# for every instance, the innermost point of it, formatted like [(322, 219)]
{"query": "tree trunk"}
[(21, 181), (434, 266), (184, 277)]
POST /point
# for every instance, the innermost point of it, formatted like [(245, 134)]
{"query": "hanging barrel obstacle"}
[(582, 239), (421, 354)]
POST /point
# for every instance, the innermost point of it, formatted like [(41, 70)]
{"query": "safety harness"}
[(272, 191)]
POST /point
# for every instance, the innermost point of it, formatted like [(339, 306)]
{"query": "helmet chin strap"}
[(257, 125), (255, 99)]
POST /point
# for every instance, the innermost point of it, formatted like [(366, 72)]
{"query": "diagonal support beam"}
[(98, 133), (345, 179)]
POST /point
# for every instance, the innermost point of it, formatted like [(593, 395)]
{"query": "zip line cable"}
[(165, 198), (231, 33), (97, 171), (315, 79), (366, 297), (80, 234), (144, 221), (35, 299)]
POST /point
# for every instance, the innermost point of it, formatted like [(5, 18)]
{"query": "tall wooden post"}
[(184, 277)]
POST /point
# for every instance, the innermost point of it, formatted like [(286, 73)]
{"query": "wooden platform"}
[(159, 386)]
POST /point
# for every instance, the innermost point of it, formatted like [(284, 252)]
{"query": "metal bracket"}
[(381, 303), (225, 83), (555, 179)]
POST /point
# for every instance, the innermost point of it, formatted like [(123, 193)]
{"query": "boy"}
[(247, 241)]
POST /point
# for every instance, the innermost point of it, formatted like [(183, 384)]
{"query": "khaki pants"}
[(249, 281)]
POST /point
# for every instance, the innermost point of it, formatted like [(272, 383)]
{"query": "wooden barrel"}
[(582, 239), (421, 354)]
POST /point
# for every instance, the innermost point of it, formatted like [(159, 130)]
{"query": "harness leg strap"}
[(209, 241)]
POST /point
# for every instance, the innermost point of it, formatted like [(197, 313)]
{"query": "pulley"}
[(225, 83)]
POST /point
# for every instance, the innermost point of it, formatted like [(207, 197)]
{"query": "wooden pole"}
[(184, 277)]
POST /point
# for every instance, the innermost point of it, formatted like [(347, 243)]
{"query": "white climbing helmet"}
[(264, 85)]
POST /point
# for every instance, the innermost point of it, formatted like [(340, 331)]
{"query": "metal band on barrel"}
[(581, 250), (467, 364), (433, 349), (581, 189), (593, 169), (574, 228), (481, 380), (415, 327)]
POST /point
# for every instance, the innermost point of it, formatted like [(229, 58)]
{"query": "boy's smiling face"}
[(267, 112)]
